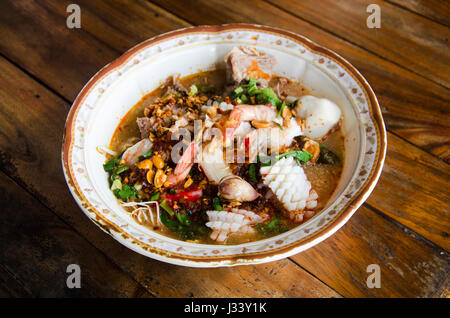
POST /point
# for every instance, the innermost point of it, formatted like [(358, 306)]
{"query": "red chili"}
[(190, 195)]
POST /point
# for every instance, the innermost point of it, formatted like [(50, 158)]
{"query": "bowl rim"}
[(230, 260)]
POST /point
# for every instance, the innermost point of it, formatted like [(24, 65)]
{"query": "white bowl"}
[(109, 95)]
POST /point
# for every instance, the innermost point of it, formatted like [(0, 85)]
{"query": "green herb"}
[(252, 172), (126, 192), (167, 208), (217, 206), (155, 196), (299, 155), (193, 90), (207, 89), (168, 222), (271, 227), (183, 219), (111, 164), (219, 100), (148, 154)]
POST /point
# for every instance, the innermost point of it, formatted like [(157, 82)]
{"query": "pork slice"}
[(145, 126), (244, 63)]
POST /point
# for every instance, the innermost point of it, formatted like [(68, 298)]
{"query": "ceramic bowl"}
[(108, 96)]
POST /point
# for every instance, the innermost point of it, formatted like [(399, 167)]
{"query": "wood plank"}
[(33, 160), (409, 40), (413, 107), (409, 267), (37, 131), (413, 189), (436, 10), (37, 247)]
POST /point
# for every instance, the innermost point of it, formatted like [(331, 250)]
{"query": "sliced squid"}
[(225, 223), (289, 183), (321, 115)]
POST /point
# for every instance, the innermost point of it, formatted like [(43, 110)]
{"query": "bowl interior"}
[(128, 88)]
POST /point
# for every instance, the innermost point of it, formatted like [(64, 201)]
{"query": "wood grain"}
[(37, 247), (28, 160), (409, 267), (436, 10), (409, 40), (33, 161)]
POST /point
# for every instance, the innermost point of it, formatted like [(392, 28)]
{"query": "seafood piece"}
[(244, 63), (289, 183), (225, 223), (132, 154), (231, 187), (183, 167), (234, 188), (244, 112), (273, 138), (321, 115)]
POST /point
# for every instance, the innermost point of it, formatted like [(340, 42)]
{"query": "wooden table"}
[(403, 227)]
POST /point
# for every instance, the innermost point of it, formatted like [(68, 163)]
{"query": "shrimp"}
[(289, 183), (183, 167), (225, 223), (231, 187), (244, 112), (132, 154)]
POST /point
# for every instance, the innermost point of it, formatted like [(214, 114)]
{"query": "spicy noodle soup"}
[(178, 178)]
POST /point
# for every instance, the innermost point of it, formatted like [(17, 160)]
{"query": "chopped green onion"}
[(121, 169), (252, 172), (193, 90), (217, 206), (111, 164), (238, 90), (243, 98), (117, 184), (207, 89), (281, 109), (148, 154), (253, 91), (168, 222), (155, 196), (167, 208)]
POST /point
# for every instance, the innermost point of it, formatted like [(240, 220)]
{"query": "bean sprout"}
[(142, 211)]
